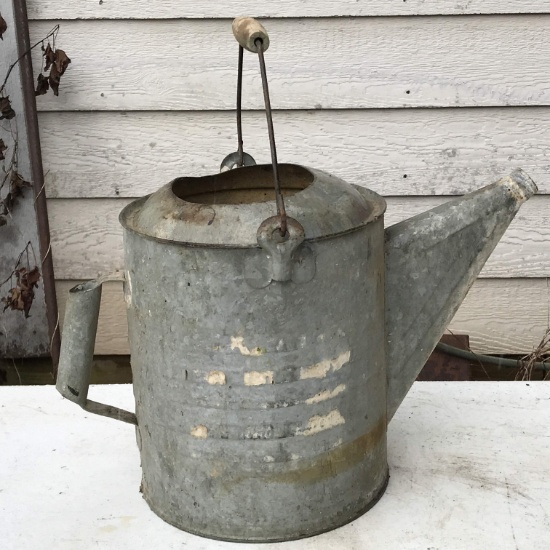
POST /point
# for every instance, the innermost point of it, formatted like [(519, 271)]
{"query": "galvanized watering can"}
[(269, 352)]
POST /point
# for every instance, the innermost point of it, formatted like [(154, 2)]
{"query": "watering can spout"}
[(431, 262)]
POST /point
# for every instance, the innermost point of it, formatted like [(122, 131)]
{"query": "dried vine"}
[(25, 276), (21, 294)]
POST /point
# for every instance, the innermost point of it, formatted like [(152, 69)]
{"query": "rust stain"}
[(201, 214), (518, 194), (330, 464)]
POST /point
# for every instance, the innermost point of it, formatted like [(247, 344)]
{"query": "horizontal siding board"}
[(156, 9), (87, 237), (501, 316), (440, 151), (312, 63)]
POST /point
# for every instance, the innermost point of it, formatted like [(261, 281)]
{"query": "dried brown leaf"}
[(33, 276), (42, 85), (14, 300), (54, 79), (49, 55), (61, 61), (21, 296), (17, 183), (6, 109), (3, 147), (3, 27)]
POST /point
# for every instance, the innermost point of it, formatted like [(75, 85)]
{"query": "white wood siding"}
[(87, 238), (441, 151), (331, 63), (142, 9), (416, 108)]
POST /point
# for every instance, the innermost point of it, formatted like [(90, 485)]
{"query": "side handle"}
[(77, 351)]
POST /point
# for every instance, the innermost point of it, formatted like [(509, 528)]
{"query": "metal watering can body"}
[(266, 370)]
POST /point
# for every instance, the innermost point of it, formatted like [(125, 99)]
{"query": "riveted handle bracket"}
[(280, 248)]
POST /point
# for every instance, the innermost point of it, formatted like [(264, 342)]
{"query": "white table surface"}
[(469, 465)]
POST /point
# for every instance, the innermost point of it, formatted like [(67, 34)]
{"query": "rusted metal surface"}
[(252, 35), (226, 210), (240, 150), (281, 211), (443, 367)]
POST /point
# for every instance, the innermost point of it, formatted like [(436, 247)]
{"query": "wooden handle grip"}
[(247, 30)]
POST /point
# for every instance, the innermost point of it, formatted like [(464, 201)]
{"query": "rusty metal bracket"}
[(282, 258)]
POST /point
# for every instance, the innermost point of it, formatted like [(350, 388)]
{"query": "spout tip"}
[(526, 185)]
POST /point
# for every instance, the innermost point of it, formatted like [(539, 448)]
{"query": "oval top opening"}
[(246, 185)]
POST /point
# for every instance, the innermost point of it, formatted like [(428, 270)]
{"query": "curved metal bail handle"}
[(251, 35), (280, 248)]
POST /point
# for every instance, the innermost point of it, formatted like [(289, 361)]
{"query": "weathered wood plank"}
[(440, 151), (87, 238), (508, 316), (136, 9), (501, 316), (318, 63)]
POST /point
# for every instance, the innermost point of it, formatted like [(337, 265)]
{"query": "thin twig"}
[(17, 372), (16, 264), (47, 252), (41, 190), (53, 32), (11, 165)]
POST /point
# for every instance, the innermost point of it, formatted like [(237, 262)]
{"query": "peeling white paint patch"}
[(295, 456), (319, 423), (216, 377), (200, 431), (321, 369), (255, 378), (238, 343), (269, 459), (327, 394)]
